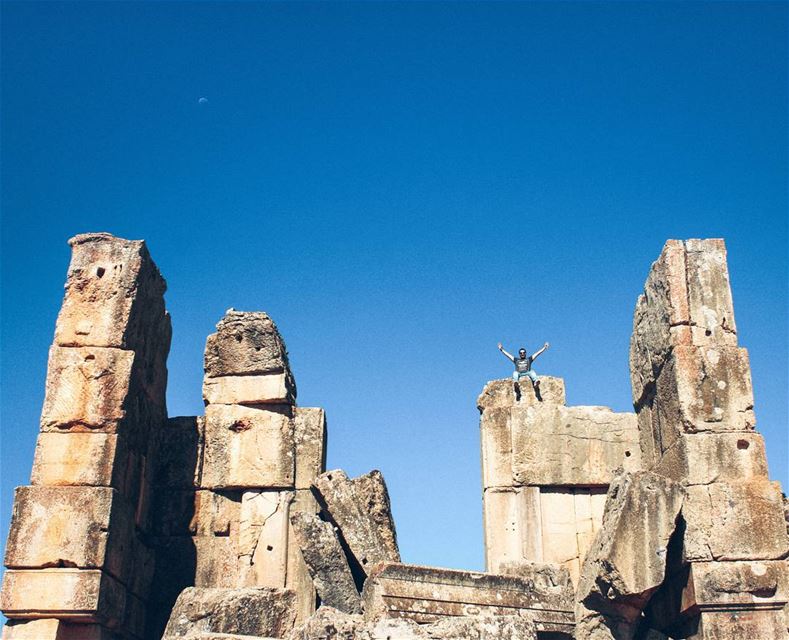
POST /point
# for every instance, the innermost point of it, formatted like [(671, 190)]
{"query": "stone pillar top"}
[(499, 394)]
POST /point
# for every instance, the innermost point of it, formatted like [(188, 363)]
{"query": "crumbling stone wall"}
[(546, 469)]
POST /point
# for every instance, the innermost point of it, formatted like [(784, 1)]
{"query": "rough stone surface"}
[(54, 629), (78, 459), (360, 509), (245, 343), (253, 612), (427, 594), (309, 436), (501, 393), (263, 538), (272, 388), (328, 566), (247, 448), (627, 561)]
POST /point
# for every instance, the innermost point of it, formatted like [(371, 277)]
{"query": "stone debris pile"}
[(599, 525)]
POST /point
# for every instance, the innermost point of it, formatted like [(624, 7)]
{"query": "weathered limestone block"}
[(87, 595), (496, 439), (87, 389), (179, 453), (79, 459), (272, 388), (327, 563), (54, 629), (82, 527), (706, 457), (735, 521), (216, 513), (627, 561), (245, 343), (247, 448), (426, 594), (298, 577), (114, 294), (591, 625), (309, 436), (268, 613), (743, 585), (501, 393), (546, 577), (263, 538), (726, 625), (556, 445), (513, 527), (705, 389), (360, 509), (216, 562)]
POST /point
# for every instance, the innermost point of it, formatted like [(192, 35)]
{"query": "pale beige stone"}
[(87, 388), (496, 439), (309, 435), (704, 458), (54, 629), (501, 393), (82, 527), (247, 448), (752, 585), (216, 562), (263, 538), (216, 513), (556, 445), (425, 594), (626, 563), (560, 530), (272, 388), (298, 577), (735, 521), (114, 294), (88, 595), (503, 528), (77, 459)]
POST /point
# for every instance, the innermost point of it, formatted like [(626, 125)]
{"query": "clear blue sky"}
[(400, 186)]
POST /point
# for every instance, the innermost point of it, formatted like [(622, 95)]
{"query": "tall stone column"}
[(693, 396), (78, 564)]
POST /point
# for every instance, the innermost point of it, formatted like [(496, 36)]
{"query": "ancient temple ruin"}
[(660, 523)]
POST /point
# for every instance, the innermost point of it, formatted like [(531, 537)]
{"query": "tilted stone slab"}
[(309, 435), (114, 294), (263, 612), (501, 393), (87, 595), (248, 447), (427, 594), (82, 527), (328, 566), (245, 343), (360, 509), (627, 561), (735, 521), (707, 457), (272, 388), (556, 445)]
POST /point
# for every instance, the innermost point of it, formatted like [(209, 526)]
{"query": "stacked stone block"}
[(546, 468), (78, 561), (693, 396)]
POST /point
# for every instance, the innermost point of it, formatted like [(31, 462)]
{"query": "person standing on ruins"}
[(523, 366)]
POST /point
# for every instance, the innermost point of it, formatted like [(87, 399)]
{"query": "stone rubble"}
[(599, 525)]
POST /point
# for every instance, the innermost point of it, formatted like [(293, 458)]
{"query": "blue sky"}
[(400, 186)]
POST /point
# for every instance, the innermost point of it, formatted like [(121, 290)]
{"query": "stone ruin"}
[(598, 525)]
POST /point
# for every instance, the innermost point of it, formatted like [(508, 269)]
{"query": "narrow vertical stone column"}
[(76, 553), (693, 396)]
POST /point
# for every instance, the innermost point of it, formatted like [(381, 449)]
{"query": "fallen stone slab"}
[(326, 561), (360, 509), (626, 563), (261, 612), (429, 594)]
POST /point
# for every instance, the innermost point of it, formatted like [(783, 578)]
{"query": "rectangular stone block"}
[(216, 562), (179, 453), (85, 595), (726, 625), (500, 394), (503, 534), (272, 388), (54, 629), (736, 585), (83, 527), (87, 389), (496, 440), (309, 434), (555, 445), (704, 389), (263, 538), (704, 458), (426, 594), (78, 459), (114, 294), (735, 521), (248, 447), (298, 576), (216, 513), (559, 530)]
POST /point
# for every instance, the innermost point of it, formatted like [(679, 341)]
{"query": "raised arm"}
[(508, 355), (538, 353)]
